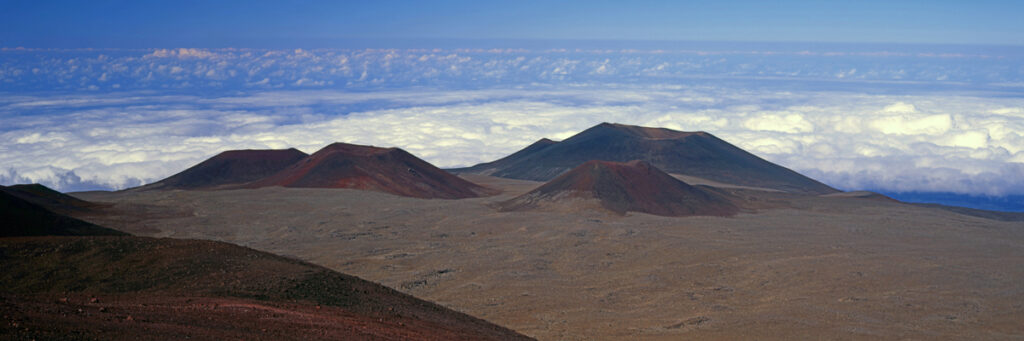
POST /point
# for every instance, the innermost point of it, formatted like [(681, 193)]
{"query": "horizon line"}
[(423, 42)]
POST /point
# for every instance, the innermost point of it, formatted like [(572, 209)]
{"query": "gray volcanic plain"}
[(789, 266)]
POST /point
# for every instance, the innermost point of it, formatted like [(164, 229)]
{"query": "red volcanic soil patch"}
[(230, 167), (127, 288), (654, 133), (389, 170), (158, 317), (620, 187), (698, 154)]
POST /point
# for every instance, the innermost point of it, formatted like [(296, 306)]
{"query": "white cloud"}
[(785, 122), (249, 69), (769, 145), (117, 141), (900, 108), (181, 53), (40, 138), (1008, 111), (913, 124), (459, 107), (969, 139)]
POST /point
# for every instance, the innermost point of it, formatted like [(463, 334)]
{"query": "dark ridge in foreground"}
[(389, 170), (125, 288), (48, 198), (21, 217), (230, 168), (696, 154), (635, 186)]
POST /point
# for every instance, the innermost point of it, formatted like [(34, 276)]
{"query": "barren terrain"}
[(810, 267), (132, 288)]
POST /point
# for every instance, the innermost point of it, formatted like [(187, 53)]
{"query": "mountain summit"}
[(230, 168), (697, 154), (390, 170), (339, 165)]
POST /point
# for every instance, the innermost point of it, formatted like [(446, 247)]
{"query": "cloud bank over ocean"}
[(926, 121), (355, 69)]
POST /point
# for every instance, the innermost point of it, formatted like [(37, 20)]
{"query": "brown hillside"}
[(130, 288), (621, 187), (230, 167), (697, 154), (389, 170)]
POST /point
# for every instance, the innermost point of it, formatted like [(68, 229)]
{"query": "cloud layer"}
[(255, 69), (968, 144), (935, 119)]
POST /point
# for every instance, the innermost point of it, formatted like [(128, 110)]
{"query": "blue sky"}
[(283, 24)]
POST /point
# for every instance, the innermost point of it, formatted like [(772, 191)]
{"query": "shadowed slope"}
[(696, 154), (48, 198), (20, 217), (150, 278), (389, 170), (230, 167), (620, 187), (490, 167)]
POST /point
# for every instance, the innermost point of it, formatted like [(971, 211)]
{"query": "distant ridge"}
[(698, 154), (24, 217), (636, 186), (48, 198), (230, 168), (389, 170), (863, 195), (510, 160)]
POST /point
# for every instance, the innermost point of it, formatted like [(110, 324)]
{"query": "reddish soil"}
[(128, 288), (697, 154), (230, 167), (812, 268), (620, 187), (655, 133), (389, 170), (158, 317)]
